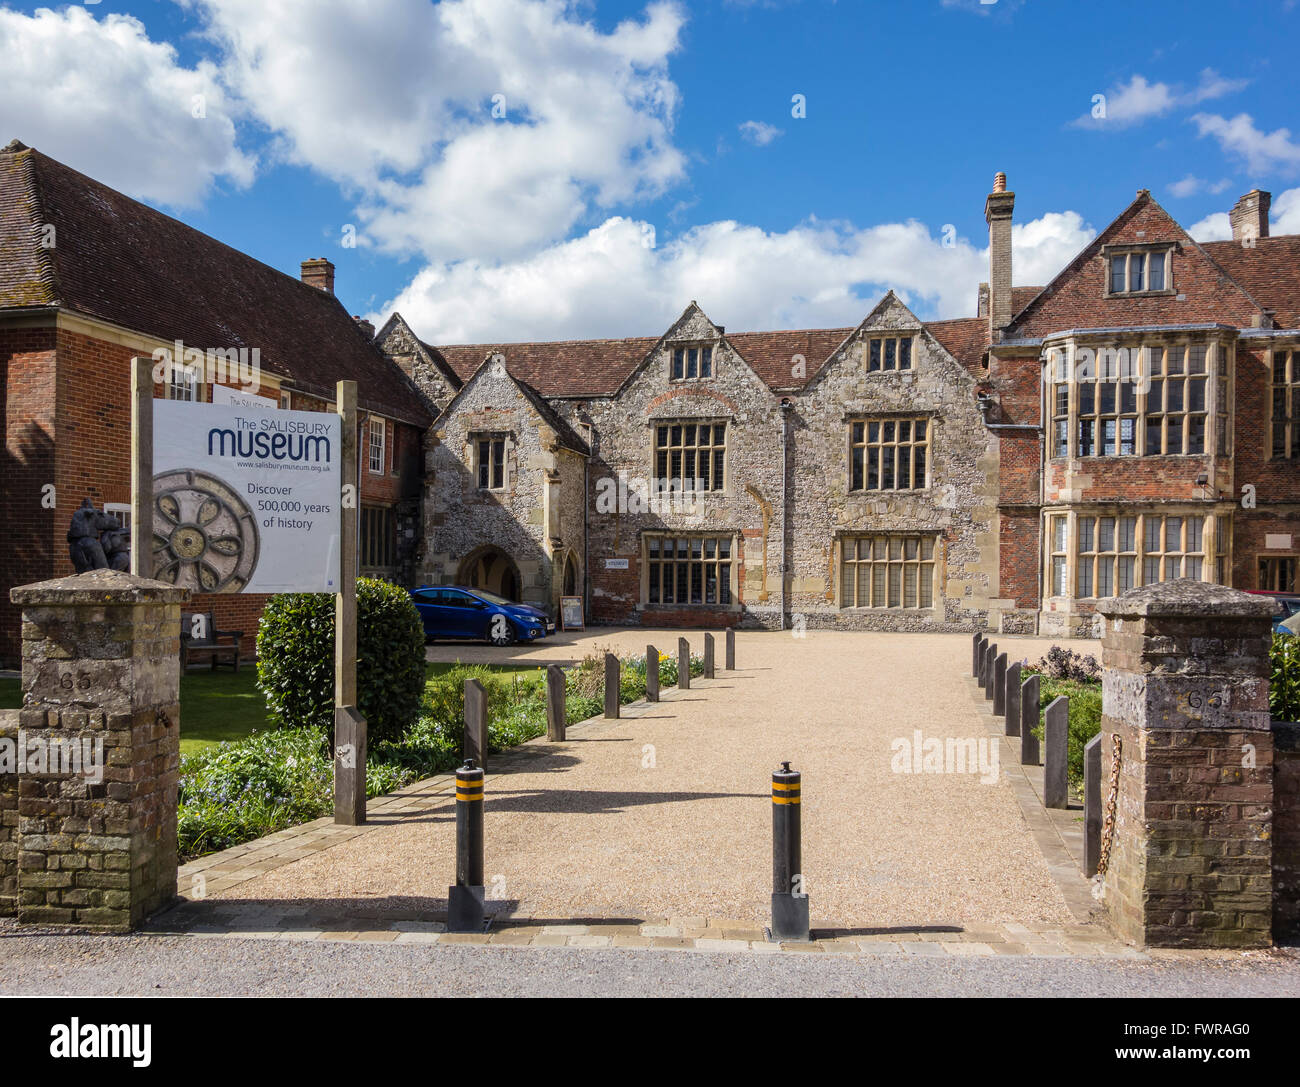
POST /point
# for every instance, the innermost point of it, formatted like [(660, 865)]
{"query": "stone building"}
[(90, 278), (1133, 421)]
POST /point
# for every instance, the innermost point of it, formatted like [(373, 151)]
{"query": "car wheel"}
[(501, 633)]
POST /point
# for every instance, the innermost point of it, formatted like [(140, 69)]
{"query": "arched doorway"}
[(570, 576), (491, 569)]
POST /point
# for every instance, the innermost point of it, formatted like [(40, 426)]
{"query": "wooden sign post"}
[(349, 725), (142, 466)]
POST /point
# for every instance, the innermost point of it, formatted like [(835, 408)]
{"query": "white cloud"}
[(483, 128), (1138, 100), (1188, 186), (102, 97), (758, 133), (1262, 151), (1191, 185), (609, 283), (1286, 213), (1213, 228)]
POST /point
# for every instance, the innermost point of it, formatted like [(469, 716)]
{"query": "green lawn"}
[(225, 705)]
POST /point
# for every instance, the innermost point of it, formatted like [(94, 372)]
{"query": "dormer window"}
[(889, 353), (692, 363), (1139, 270)]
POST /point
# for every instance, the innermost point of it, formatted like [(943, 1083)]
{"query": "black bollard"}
[(683, 664), (975, 654), (991, 658), (708, 656), (651, 674), (1011, 694), (789, 901), (1056, 734), (1000, 686), (1092, 817), (465, 899), (982, 654), (612, 676), (731, 649), (475, 744), (1029, 721)]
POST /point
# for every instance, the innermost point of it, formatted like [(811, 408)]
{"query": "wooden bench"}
[(211, 644)]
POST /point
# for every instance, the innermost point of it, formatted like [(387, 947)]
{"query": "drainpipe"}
[(787, 406)]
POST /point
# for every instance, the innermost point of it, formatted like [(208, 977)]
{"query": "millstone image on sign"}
[(204, 536)]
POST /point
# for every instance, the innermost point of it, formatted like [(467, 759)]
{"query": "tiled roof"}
[(772, 354), (578, 368), (965, 339), (123, 262), (571, 368), (1270, 272)]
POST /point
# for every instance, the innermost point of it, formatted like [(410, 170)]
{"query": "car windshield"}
[(491, 598)]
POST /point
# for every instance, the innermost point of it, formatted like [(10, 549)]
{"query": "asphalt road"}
[(189, 966)]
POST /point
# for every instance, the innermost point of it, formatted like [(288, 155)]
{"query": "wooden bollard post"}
[(476, 717), (731, 649), (349, 766), (1000, 686), (1056, 733), (651, 674), (991, 657), (612, 676), (981, 654), (1029, 721), (555, 712), (683, 664), (975, 654), (1092, 806), (708, 656), (1011, 694)]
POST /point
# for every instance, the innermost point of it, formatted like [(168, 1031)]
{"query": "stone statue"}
[(116, 542), (97, 541)]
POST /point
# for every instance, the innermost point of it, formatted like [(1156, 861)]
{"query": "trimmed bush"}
[(295, 659), (1284, 677)]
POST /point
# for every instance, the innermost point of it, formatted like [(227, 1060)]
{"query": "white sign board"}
[(225, 394), (246, 500), (616, 564)]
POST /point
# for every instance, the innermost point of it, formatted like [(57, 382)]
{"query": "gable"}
[(494, 371), (1201, 290)]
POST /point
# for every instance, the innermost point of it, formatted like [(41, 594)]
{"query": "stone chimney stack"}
[(997, 213), (319, 273), (1249, 216)]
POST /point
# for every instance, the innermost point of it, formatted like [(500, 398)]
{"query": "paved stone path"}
[(654, 830)]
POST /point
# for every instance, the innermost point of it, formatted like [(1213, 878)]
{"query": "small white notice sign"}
[(616, 564), (1277, 541)]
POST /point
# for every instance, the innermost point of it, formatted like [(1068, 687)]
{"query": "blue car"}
[(1290, 605), (458, 613)]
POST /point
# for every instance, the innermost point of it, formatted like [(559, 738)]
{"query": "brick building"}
[(90, 278), (1135, 420)]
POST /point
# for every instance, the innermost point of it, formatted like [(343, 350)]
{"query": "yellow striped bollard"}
[(789, 900), (465, 899)]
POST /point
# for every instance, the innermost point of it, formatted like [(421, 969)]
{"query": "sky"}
[(502, 170)]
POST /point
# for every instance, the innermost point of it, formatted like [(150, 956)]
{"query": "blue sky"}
[(532, 169)]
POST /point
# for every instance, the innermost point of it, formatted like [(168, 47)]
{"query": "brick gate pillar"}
[(100, 724), (1185, 690)]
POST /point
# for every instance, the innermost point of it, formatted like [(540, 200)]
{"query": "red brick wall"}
[(27, 406), (1079, 300), (1286, 831)]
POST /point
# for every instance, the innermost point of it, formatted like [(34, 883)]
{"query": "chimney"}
[(1249, 216), (997, 213), (319, 273), (365, 326)]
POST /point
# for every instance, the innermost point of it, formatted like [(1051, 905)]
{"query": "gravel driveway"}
[(668, 813)]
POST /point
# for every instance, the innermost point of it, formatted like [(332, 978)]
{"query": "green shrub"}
[(1085, 717), (1284, 677), (295, 659)]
